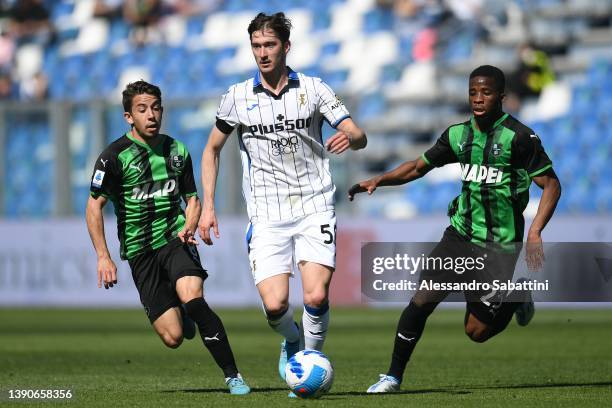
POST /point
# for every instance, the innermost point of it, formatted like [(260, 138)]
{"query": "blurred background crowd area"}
[(401, 66)]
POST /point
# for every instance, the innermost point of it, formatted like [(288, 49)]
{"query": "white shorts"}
[(276, 247)]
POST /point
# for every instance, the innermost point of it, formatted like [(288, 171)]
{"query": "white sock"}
[(284, 325), (314, 323)]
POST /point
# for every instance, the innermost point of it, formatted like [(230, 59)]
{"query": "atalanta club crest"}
[(177, 162)]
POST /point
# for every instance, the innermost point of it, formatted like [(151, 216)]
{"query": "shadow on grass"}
[(223, 390), (543, 385), (403, 392), (450, 390)]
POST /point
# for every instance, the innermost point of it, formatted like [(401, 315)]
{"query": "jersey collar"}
[(146, 146), (293, 82), (496, 124)]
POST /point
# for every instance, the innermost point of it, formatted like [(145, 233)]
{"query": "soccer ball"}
[(309, 374)]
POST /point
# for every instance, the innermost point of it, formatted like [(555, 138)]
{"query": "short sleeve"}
[(227, 114), (441, 153), (105, 179), (187, 185), (528, 154), (330, 105)]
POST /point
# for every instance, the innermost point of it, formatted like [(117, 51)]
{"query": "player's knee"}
[(315, 298), (189, 288), (172, 340), (275, 307), (189, 295), (476, 333)]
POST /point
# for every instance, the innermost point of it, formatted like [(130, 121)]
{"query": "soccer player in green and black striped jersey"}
[(146, 174), (499, 157)]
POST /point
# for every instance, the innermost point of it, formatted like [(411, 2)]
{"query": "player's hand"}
[(208, 220), (338, 143), (363, 186), (534, 252), (187, 236), (107, 272)]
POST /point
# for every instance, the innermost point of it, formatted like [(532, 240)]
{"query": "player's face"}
[(269, 51), (485, 98), (146, 115)]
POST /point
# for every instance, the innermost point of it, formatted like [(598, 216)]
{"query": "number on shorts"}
[(325, 230)]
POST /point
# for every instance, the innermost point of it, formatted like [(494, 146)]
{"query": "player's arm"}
[(404, 173), (107, 271), (210, 169), (193, 208), (349, 135), (437, 156), (551, 192), (529, 154)]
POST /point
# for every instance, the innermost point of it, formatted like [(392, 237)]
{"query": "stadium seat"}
[(90, 58)]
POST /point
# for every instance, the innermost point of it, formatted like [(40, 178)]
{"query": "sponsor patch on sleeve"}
[(97, 179)]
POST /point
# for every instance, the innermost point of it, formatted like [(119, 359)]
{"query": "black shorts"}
[(497, 261), (155, 274)]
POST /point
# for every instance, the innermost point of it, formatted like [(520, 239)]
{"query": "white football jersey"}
[(284, 162)]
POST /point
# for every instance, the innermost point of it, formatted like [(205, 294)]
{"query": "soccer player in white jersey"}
[(287, 184)]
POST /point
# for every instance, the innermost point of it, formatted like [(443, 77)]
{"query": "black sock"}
[(409, 330), (213, 335), (503, 317)]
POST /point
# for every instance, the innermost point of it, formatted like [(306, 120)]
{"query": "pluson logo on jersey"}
[(481, 174), (156, 189), (281, 125)]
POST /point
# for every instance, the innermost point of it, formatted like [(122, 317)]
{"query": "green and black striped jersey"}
[(496, 170), (145, 185)]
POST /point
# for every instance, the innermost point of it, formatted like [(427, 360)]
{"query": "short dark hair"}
[(138, 88), (278, 23), (490, 71)]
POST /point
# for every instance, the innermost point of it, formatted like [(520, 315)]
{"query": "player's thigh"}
[(274, 292), (315, 282), (183, 267), (270, 248), (189, 288), (484, 304), (169, 327), (452, 245), (315, 240), (155, 288)]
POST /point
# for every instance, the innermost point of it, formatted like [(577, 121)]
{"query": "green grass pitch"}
[(112, 358)]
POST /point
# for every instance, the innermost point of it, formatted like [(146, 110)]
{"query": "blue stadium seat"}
[(329, 49), (195, 26), (600, 71), (119, 31), (391, 73), (336, 79), (603, 198), (371, 106), (80, 196), (377, 20), (61, 9), (313, 71), (440, 195), (235, 5), (322, 20)]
